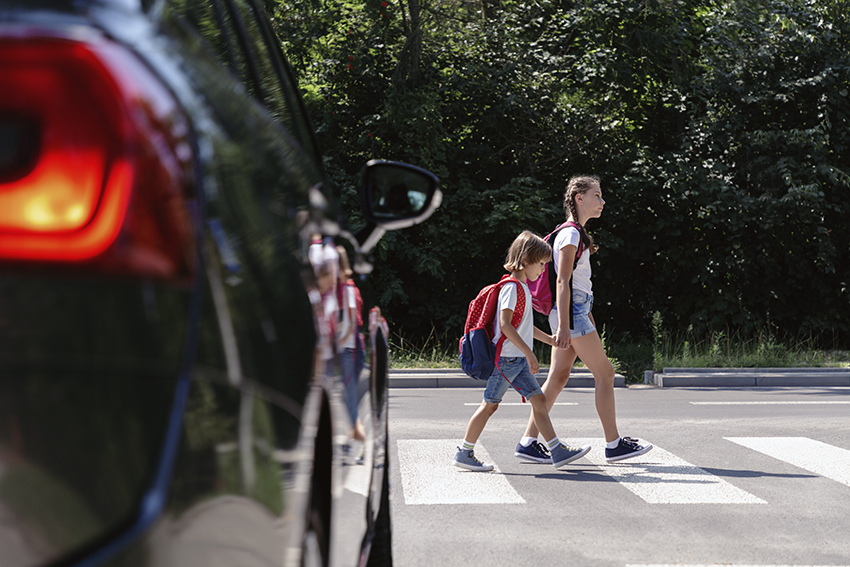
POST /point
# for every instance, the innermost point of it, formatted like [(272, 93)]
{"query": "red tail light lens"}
[(95, 169)]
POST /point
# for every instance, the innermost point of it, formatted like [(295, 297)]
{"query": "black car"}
[(163, 398)]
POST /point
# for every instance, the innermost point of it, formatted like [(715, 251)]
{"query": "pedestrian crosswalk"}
[(808, 454), (658, 477), (427, 477)]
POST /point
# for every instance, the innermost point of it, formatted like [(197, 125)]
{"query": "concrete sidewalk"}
[(455, 378), (747, 377), (669, 378)]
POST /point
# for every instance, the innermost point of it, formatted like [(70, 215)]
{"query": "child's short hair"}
[(527, 249), (344, 264)]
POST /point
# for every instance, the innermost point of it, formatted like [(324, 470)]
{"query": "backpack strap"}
[(579, 250), (516, 319)]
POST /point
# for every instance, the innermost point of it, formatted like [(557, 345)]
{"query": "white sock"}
[(526, 441), (467, 446), (552, 443), (613, 444)]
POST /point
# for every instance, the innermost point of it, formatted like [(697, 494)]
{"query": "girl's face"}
[(533, 271), (591, 202)]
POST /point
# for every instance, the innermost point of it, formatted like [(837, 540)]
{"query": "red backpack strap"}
[(358, 300), (520, 303), (519, 311)]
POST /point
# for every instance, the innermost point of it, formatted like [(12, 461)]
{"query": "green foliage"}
[(721, 131)]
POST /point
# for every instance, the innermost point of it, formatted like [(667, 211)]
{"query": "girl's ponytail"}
[(580, 184)]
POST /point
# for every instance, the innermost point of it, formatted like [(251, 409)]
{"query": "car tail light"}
[(95, 167)]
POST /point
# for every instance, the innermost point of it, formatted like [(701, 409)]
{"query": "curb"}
[(455, 378), (747, 377)]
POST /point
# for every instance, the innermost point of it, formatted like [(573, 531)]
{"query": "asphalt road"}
[(755, 476)]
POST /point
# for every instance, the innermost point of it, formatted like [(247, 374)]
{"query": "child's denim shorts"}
[(582, 325), (517, 374)]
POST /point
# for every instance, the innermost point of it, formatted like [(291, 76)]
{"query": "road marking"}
[(724, 565), (521, 404), (808, 454), (660, 477), (428, 476), (782, 403)]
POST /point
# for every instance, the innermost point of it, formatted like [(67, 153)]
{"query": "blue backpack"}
[(478, 355)]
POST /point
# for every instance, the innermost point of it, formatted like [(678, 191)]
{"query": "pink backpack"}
[(543, 288)]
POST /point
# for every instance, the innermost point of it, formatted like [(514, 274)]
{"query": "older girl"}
[(582, 201)]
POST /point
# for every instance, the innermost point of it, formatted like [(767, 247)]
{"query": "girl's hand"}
[(533, 364), (561, 341)]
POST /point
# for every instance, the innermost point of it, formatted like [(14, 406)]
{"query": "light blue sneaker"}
[(466, 459), (562, 455)]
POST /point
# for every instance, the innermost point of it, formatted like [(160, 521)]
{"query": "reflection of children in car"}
[(348, 341), (325, 306)]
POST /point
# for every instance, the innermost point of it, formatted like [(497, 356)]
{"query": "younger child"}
[(526, 260)]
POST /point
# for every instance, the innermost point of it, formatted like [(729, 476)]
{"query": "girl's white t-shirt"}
[(507, 300), (581, 274), (349, 301)]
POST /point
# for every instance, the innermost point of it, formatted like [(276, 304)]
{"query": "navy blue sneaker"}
[(626, 449), (536, 453)]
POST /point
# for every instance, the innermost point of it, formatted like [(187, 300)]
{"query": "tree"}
[(720, 131)]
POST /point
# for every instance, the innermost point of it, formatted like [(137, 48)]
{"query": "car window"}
[(238, 36), (213, 22), (273, 83)]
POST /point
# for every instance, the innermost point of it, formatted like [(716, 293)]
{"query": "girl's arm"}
[(566, 257), (348, 299), (541, 336)]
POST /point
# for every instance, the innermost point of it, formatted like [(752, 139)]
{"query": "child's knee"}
[(604, 375), (489, 408), (538, 400)]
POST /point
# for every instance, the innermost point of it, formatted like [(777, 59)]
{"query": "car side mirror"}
[(395, 195)]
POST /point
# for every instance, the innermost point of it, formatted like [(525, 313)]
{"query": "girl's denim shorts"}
[(582, 305)]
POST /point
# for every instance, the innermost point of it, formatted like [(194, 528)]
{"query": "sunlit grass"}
[(631, 356)]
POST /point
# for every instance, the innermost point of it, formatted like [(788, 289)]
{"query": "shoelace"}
[(475, 459), (630, 442), (541, 448)]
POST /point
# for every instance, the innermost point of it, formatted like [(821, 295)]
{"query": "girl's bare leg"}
[(589, 349), (556, 380)]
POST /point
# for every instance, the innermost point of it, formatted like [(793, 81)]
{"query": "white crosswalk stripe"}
[(428, 477), (775, 403), (813, 456), (503, 404), (724, 565), (660, 477)]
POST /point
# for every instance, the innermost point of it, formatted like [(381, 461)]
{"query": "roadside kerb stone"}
[(455, 378), (748, 377)]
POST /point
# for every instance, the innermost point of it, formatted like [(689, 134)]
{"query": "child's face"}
[(591, 202), (533, 271)]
